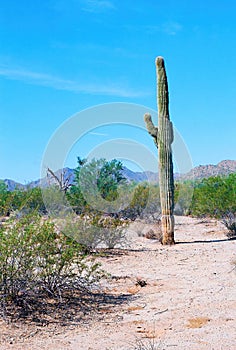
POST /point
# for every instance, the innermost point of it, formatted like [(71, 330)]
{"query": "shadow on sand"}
[(209, 241)]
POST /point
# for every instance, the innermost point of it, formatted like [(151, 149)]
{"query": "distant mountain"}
[(223, 168), (64, 174), (13, 185), (44, 182), (139, 176)]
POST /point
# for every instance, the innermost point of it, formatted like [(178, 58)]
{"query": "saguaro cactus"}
[(163, 137)]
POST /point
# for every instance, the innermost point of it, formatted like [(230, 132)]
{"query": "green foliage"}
[(93, 230), (140, 199), (145, 201), (153, 207), (55, 201), (214, 196), (3, 198), (3, 187), (93, 179), (26, 201), (16, 259), (183, 197), (112, 230), (36, 261), (138, 202), (82, 231), (33, 201), (109, 179)]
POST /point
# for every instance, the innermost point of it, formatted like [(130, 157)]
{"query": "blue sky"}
[(59, 57)]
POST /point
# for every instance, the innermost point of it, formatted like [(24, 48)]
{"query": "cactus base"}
[(167, 223)]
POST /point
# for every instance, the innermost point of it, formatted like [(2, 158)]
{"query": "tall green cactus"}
[(163, 137)]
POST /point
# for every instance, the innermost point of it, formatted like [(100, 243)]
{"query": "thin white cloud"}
[(93, 6), (169, 28), (97, 133), (98, 5), (124, 142), (57, 83)]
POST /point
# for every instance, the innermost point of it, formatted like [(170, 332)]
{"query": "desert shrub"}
[(10, 201), (92, 230), (112, 230), (138, 202), (229, 220), (22, 201), (152, 212), (33, 201), (37, 261), (183, 197), (3, 197), (144, 203), (81, 230), (16, 258), (214, 196), (55, 201)]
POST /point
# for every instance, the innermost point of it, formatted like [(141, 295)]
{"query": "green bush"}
[(139, 201), (3, 197), (93, 230), (82, 231), (22, 201), (144, 203), (94, 180), (112, 230), (214, 196), (183, 197), (37, 261)]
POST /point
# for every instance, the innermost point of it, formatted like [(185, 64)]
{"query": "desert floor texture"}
[(181, 297)]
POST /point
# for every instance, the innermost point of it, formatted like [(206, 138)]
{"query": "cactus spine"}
[(163, 137)]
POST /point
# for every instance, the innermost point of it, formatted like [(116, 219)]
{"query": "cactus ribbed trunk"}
[(165, 165), (163, 138)]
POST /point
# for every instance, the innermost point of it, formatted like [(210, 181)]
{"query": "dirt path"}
[(188, 302)]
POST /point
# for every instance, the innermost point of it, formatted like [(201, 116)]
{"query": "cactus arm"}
[(152, 130)]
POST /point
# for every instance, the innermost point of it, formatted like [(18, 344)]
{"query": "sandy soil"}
[(180, 297)]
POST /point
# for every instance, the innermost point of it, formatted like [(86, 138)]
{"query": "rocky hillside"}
[(223, 168)]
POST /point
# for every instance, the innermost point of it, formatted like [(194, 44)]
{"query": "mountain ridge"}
[(223, 168)]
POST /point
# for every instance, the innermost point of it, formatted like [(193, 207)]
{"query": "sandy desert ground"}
[(180, 297)]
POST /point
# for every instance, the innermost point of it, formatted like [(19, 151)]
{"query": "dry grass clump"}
[(151, 234), (148, 344)]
